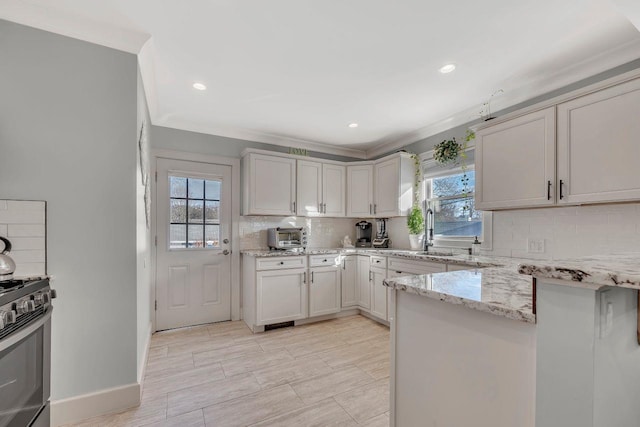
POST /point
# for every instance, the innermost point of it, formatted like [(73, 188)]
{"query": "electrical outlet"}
[(535, 246)]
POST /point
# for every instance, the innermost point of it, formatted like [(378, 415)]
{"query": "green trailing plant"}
[(451, 151), (415, 220)]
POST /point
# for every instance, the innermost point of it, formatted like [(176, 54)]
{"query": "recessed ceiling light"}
[(353, 125), (199, 86), (448, 68)]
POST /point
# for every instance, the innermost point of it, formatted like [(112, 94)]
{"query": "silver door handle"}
[(225, 252)]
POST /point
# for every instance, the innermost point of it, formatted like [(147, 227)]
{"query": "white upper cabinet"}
[(360, 191), (393, 186), (334, 188), (515, 162), (321, 189), (309, 188), (269, 185), (599, 146)]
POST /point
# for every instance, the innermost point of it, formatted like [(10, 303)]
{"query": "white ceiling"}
[(297, 72)]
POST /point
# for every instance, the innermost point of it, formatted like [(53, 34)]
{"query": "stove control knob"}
[(31, 306), (42, 298), (10, 316), (2, 322), (26, 306), (53, 293)]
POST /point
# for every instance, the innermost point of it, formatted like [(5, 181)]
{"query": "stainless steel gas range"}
[(25, 352)]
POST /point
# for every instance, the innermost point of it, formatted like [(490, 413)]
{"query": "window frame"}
[(457, 241)]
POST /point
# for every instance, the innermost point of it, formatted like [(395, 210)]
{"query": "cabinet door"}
[(379, 294), (334, 184), (515, 162), (309, 188), (599, 146), (364, 283), (360, 191), (387, 186), (271, 185), (281, 296), (350, 294), (324, 291)]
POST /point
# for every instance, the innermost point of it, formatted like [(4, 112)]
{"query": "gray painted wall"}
[(68, 136)]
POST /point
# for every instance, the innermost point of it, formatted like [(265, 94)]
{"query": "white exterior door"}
[(193, 229)]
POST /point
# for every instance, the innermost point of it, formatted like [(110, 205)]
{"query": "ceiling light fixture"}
[(353, 125), (199, 86), (448, 68)]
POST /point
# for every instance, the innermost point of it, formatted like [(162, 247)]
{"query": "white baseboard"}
[(108, 401), (344, 313)]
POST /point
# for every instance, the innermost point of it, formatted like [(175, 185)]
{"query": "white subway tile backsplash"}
[(23, 223), (568, 231), (26, 230)]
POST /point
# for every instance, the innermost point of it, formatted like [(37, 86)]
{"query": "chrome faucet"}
[(428, 226)]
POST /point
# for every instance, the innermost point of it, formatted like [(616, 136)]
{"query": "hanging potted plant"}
[(415, 220), (451, 151)]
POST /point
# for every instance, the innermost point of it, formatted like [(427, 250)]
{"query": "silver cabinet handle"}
[(325, 208), (304, 277), (344, 264), (312, 277), (399, 272), (370, 275), (293, 207), (375, 208), (370, 209), (320, 207), (561, 184)]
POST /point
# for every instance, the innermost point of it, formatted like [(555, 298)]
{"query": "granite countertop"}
[(436, 256), (605, 270), (498, 290)]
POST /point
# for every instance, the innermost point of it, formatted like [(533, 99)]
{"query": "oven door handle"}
[(7, 342)]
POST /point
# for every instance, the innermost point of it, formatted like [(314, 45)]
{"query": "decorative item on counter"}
[(475, 247), (346, 242)]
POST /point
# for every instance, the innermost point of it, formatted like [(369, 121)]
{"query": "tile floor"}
[(332, 373)]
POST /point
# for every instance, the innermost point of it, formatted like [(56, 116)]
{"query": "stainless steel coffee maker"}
[(363, 234), (382, 238)]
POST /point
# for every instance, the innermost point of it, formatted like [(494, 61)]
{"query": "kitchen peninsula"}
[(495, 346)]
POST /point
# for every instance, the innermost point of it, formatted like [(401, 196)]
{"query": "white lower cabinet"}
[(379, 293), (364, 283), (274, 290), (281, 296), (350, 294), (324, 291)]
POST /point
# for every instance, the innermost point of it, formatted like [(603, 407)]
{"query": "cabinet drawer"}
[(378, 261), (325, 260), (415, 267), (276, 263)]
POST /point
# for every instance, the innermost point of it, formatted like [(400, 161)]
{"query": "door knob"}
[(225, 241), (225, 252)]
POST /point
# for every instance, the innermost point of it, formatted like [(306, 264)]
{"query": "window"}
[(452, 199), (194, 212)]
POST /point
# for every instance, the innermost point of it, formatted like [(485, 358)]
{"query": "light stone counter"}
[(621, 270), (496, 290)]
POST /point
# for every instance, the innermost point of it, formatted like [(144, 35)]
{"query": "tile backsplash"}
[(322, 232), (24, 224), (568, 231)]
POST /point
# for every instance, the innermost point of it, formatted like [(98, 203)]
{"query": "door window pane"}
[(177, 236), (177, 186), (196, 188), (193, 203), (196, 213)]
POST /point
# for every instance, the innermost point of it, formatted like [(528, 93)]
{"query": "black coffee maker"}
[(363, 234)]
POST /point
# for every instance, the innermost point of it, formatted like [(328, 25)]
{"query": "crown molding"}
[(255, 136), (571, 74), (77, 27)]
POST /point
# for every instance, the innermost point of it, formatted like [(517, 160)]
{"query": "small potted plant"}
[(415, 223)]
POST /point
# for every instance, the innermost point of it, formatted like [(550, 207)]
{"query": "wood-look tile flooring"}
[(332, 373)]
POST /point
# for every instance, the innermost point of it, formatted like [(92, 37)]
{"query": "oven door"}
[(24, 372)]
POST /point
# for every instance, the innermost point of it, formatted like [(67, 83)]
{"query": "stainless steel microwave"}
[(286, 238)]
